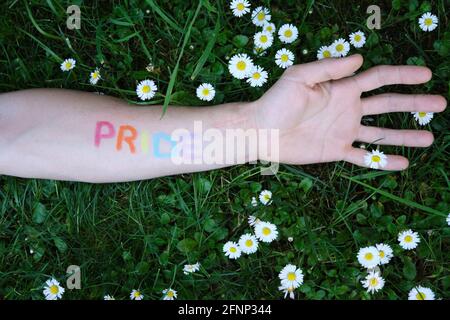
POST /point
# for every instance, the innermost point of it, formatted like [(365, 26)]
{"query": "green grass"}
[(139, 235)]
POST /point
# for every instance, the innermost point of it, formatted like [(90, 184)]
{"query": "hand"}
[(317, 108)]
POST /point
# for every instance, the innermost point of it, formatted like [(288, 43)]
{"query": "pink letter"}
[(98, 131)]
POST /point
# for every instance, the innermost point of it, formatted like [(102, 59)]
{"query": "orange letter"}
[(129, 139)]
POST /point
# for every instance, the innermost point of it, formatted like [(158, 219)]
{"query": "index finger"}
[(379, 76)]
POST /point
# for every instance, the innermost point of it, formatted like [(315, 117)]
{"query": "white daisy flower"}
[(254, 202), (265, 197), (423, 118), (324, 52), (373, 282), (287, 290), (259, 52), (284, 58), (269, 27), (408, 239), (248, 243), (358, 39), (340, 48), (52, 290), (252, 221), (232, 250), (206, 92), (191, 268), (257, 77), (108, 297), (291, 276), (260, 16), (266, 231), (288, 33), (421, 293), (448, 219), (95, 76), (136, 295), (428, 22), (169, 294), (385, 253), (263, 40), (146, 89), (240, 66), (68, 64), (375, 159), (368, 257), (240, 7)]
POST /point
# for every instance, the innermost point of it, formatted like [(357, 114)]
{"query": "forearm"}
[(68, 135)]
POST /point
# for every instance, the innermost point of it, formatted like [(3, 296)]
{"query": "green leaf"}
[(39, 213), (165, 218), (240, 40), (142, 268), (409, 269), (210, 225), (60, 244), (442, 47), (186, 245)]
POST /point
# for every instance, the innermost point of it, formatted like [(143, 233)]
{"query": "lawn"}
[(140, 235)]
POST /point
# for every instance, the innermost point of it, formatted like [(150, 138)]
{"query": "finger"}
[(407, 138), (393, 162), (393, 102), (328, 69), (387, 75)]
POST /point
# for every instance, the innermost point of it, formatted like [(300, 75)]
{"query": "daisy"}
[(248, 243), (265, 197), (52, 290), (252, 221), (259, 52), (254, 202), (408, 239), (324, 52), (68, 64), (240, 65), (136, 295), (191, 268), (146, 89), (263, 40), (240, 7), (169, 294), (448, 219), (385, 253), (373, 282), (95, 77), (375, 159), (206, 92), (266, 231), (269, 27), (428, 22), (287, 290), (284, 58), (423, 118), (368, 257), (421, 293), (358, 39), (108, 297), (288, 33), (340, 48), (260, 16), (291, 276), (257, 77), (232, 250)]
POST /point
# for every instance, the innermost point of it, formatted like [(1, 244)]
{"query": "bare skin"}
[(317, 107)]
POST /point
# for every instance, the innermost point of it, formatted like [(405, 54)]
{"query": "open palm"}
[(317, 108)]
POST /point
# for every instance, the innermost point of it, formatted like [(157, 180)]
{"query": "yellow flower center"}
[(340, 47), (263, 39), (269, 28), (284, 58), (288, 33), (249, 243), (256, 76), (376, 158), (422, 114), (291, 276), (420, 296), (373, 282), (146, 89), (326, 54), (68, 65), (428, 22), (266, 196), (368, 256), (137, 294), (357, 38), (240, 6), (233, 250), (54, 289), (170, 294), (382, 254), (266, 231), (241, 65), (95, 75), (205, 92), (261, 16), (408, 239)]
